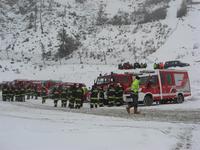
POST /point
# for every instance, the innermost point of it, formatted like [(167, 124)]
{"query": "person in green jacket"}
[(134, 95)]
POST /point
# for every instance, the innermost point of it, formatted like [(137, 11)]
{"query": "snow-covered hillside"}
[(183, 43), (20, 47), (30, 28)]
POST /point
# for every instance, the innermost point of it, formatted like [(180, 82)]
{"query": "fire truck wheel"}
[(180, 99), (148, 101)]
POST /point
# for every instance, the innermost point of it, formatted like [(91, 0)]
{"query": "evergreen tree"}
[(67, 44)]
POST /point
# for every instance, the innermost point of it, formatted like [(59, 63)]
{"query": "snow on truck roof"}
[(143, 72), (155, 72), (172, 70)]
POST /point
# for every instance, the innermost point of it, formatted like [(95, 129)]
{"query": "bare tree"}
[(104, 56), (101, 16), (41, 24), (134, 53), (31, 21), (50, 7), (35, 18), (43, 52), (80, 57), (7, 48)]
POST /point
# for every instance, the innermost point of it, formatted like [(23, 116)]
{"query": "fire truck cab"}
[(103, 81), (163, 86)]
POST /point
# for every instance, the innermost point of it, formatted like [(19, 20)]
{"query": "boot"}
[(136, 111), (71, 106), (101, 105), (91, 106), (95, 105), (55, 103), (128, 110), (43, 100)]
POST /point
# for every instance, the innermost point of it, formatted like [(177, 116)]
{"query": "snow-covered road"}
[(24, 127)]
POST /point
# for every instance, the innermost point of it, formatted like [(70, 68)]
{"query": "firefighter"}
[(67, 96), (57, 95), (35, 91), (111, 95), (28, 92), (19, 94), (8, 93), (4, 92), (79, 97), (32, 92), (63, 97), (134, 95), (94, 98), (118, 95), (85, 91), (72, 95), (11, 93), (22, 93), (16, 93), (44, 94), (101, 97), (53, 96), (145, 65)]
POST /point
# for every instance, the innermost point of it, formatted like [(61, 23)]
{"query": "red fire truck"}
[(103, 81), (163, 86)]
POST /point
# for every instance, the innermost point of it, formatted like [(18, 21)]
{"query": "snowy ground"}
[(34, 128)]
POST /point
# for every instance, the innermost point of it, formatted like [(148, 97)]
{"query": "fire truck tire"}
[(180, 99), (148, 101)]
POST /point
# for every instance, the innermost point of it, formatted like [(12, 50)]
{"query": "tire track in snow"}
[(191, 116), (184, 140)]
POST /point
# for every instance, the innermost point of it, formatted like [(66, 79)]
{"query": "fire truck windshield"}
[(146, 79), (143, 80)]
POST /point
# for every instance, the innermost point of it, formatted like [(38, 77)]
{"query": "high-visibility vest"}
[(135, 86)]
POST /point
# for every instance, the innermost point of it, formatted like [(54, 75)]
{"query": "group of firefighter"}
[(113, 96), (74, 96), (70, 96), (18, 93)]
